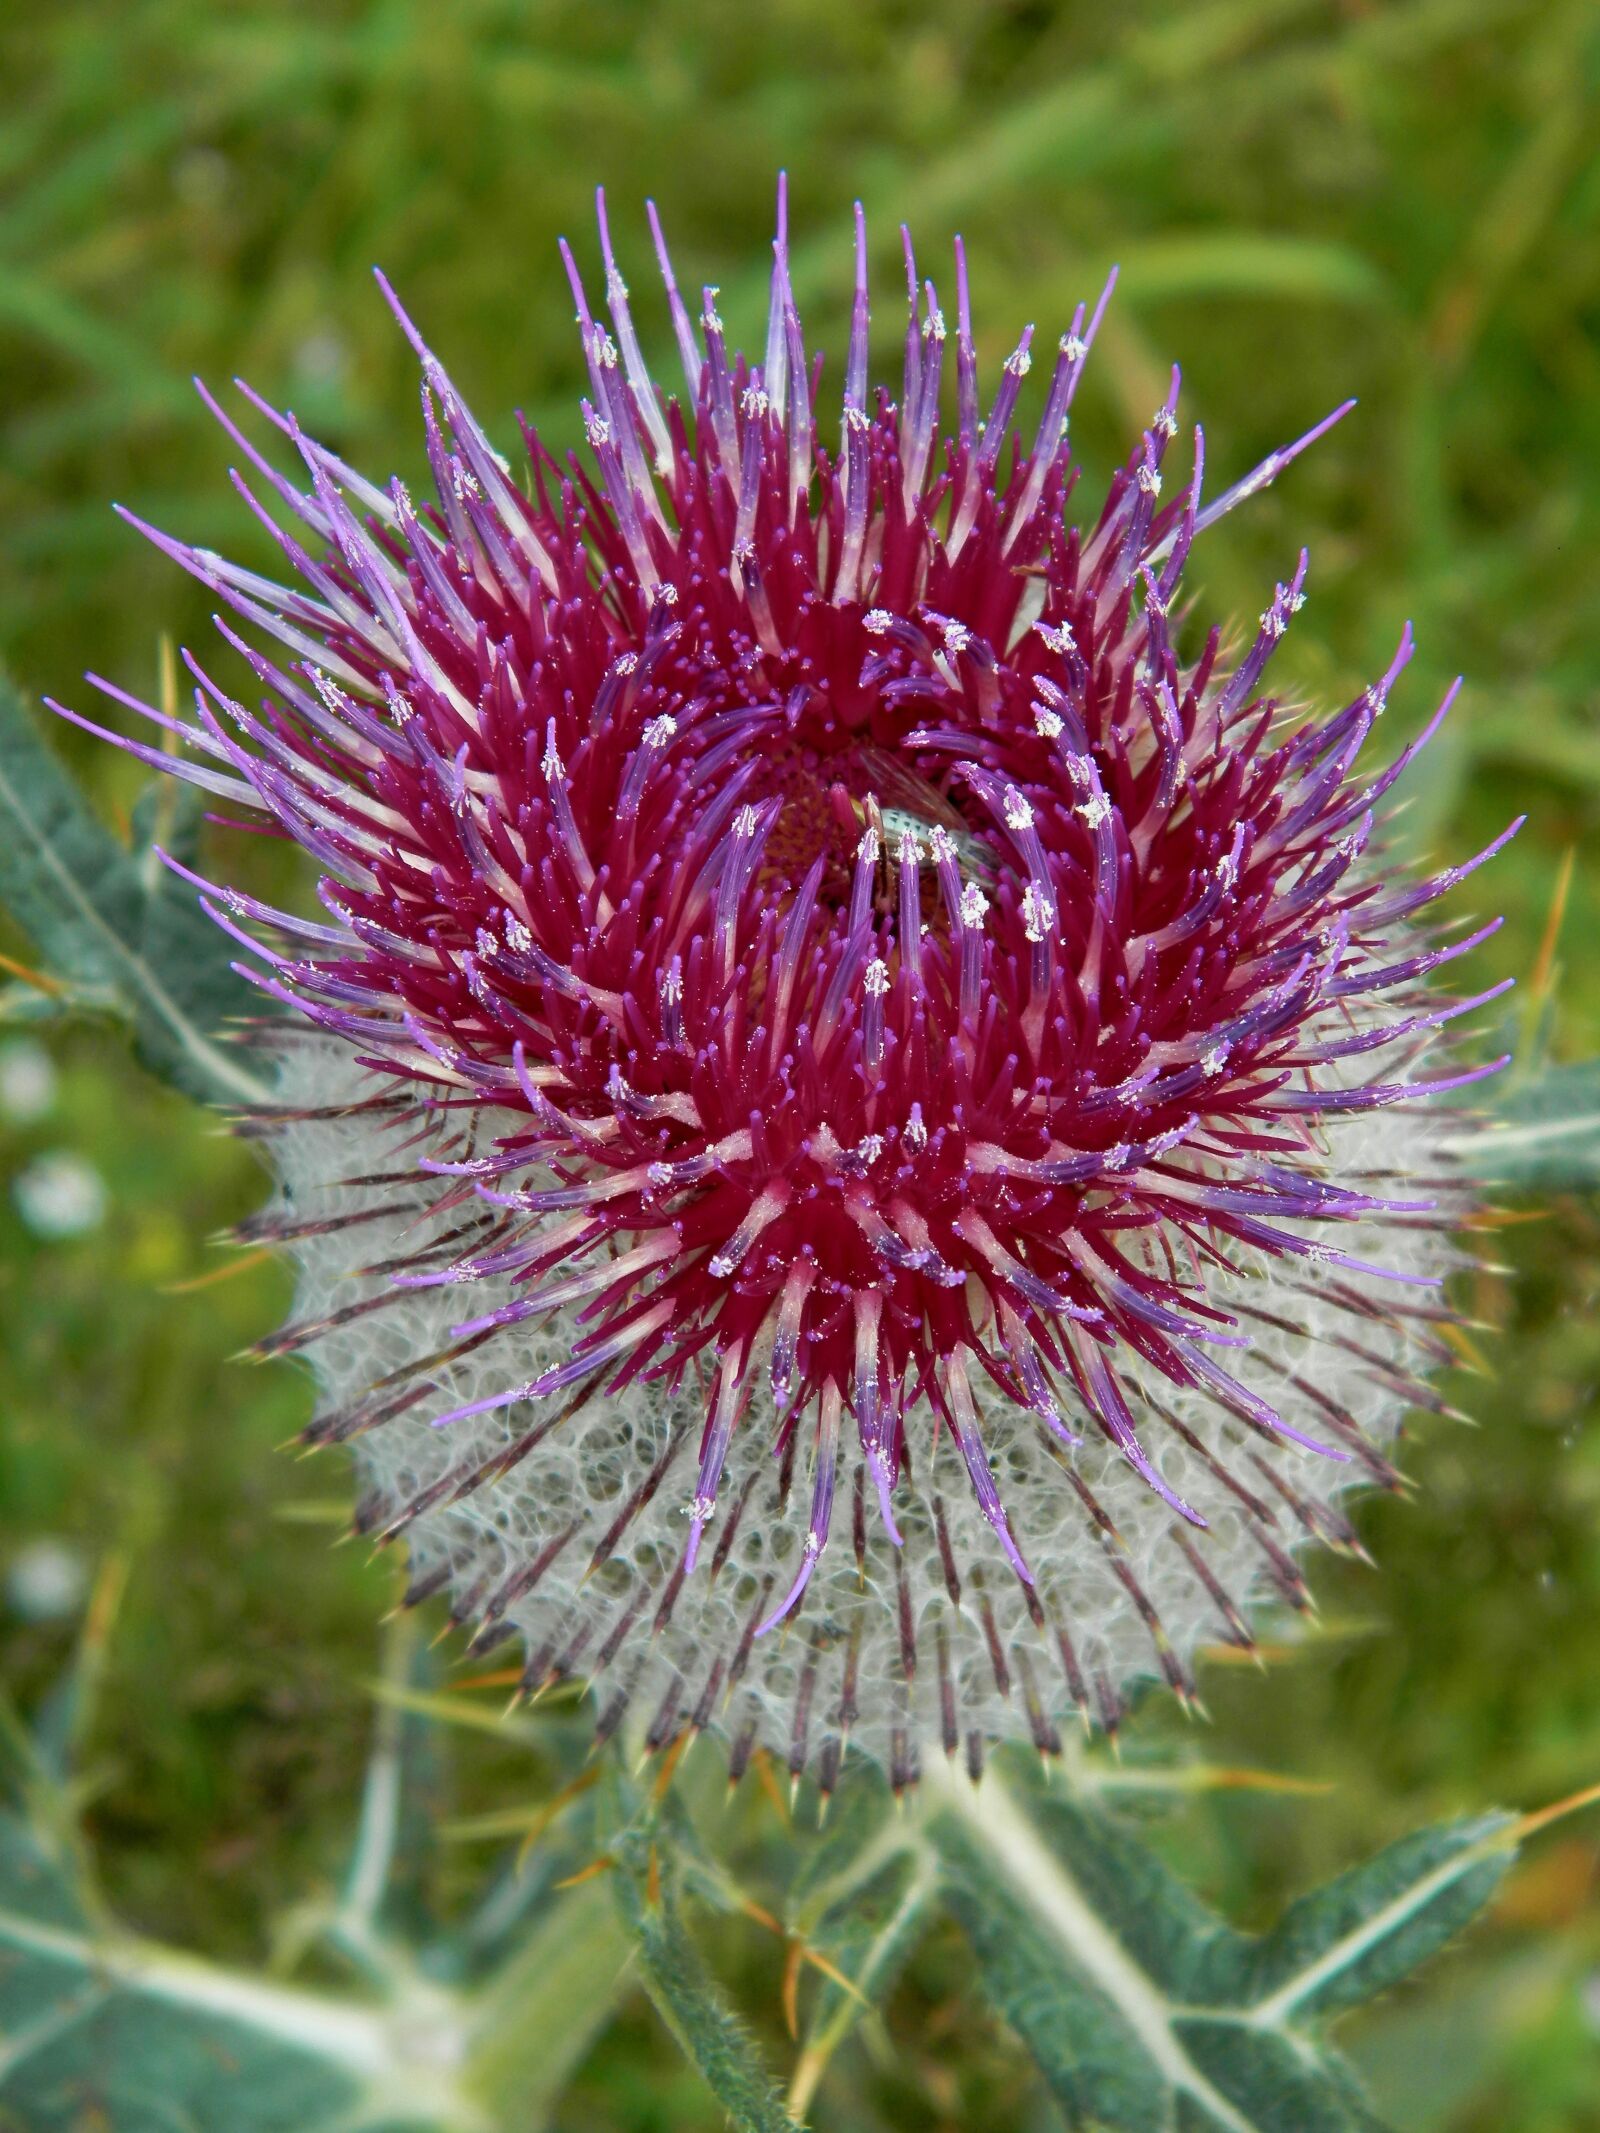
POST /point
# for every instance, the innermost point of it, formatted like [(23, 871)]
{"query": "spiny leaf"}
[(1545, 1133), (97, 2022), (1149, 2014), (99, 2026), (119, 936), (1362, 1933)]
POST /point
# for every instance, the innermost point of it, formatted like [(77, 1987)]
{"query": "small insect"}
[(900, 802)]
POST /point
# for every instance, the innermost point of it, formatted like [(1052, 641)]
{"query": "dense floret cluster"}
[(842, 1132)]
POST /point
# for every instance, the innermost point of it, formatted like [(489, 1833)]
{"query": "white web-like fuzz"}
[(901, 1648)]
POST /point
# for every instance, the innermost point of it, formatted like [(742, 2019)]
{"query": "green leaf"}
[(1244, 262), (682, 1989), (30, 303), (1147, 2013), (1545, 1133), (113, 925)]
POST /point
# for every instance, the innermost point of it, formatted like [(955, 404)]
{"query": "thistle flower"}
[(855, 1143)]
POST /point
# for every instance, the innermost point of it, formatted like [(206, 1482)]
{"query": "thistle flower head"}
[(843, 1145)]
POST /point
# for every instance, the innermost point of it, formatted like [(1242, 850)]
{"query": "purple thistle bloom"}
[(855, 1138)]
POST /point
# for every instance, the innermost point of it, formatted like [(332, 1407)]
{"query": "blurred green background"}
[(1397, 201)]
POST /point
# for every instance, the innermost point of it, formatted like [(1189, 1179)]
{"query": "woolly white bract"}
[(898, 1649)]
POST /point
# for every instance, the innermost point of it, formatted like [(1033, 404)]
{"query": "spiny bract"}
[(841, 1141)]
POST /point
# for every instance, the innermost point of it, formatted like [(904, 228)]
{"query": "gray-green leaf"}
[(1145, 2012), (112, 924), (1544, 1133), (97, 2025), (100, 2026)]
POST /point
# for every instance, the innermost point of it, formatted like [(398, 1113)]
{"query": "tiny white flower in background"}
[(60, 1195), (322, 358), (46, 1580), (28, 1081)]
